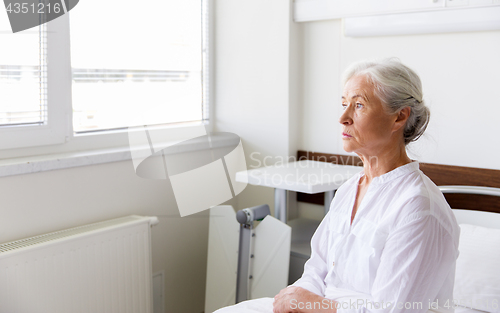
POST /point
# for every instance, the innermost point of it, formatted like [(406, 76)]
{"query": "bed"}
[(474, 195), (477, 276)]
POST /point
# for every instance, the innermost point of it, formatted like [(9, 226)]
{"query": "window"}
[(26, 119), (108, 63), (147, 61)]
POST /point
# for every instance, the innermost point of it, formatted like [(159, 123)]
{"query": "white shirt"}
[(401, 247)]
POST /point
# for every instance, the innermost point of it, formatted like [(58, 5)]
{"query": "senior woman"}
[(390, 240)]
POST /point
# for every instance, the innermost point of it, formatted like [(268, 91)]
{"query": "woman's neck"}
[(381, 163)]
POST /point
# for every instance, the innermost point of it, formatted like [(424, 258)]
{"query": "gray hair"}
[(398, 87)]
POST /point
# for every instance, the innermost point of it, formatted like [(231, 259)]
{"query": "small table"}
[(303, 176)]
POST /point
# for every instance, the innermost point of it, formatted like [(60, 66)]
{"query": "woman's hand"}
[(296, 299)]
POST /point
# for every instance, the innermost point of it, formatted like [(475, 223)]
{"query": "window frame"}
[(58, 136), (55, 131)]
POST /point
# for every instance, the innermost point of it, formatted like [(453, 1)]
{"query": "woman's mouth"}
[(346, 135)]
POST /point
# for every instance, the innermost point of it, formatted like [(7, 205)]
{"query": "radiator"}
[(101, 267)]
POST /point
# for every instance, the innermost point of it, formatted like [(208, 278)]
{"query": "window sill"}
[(42, 163)]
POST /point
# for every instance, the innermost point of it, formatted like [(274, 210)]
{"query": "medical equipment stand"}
[(246, 217)]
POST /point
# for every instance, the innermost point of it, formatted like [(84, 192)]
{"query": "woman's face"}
[(366, 127)]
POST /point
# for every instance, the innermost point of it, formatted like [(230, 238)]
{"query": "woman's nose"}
[(346, 118)]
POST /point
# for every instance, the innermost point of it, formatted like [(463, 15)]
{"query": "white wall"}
[(460, 73), (48, 201), (257, 83)]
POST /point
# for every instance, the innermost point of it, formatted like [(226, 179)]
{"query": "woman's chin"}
[(347, 147)]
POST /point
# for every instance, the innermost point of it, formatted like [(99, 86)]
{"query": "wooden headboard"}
[(438, 173)]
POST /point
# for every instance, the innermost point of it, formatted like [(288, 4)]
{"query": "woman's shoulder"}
[(421, 199), (416, 185)]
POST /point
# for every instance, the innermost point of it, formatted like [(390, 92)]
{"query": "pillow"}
[(477, 276)]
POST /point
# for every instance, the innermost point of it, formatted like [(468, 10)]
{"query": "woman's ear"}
[(401, 118)]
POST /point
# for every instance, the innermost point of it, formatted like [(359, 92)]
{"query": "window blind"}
[(23, 76)]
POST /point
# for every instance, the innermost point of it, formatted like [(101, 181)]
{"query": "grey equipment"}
[(246, 217)]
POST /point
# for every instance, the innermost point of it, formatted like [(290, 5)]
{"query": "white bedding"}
[(477, 277)]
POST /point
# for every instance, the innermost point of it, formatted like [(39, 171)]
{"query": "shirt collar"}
[(395, 173)]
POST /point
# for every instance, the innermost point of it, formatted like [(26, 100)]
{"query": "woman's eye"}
[(344, 106), (359, 105)]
